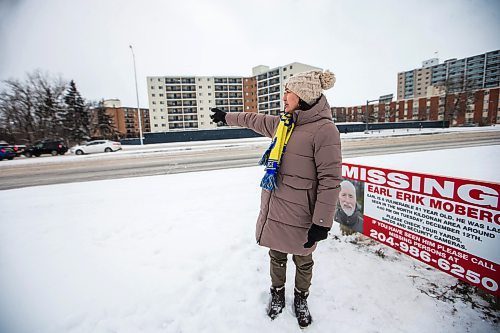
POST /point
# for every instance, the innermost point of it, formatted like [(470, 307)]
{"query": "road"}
[(158, 162)]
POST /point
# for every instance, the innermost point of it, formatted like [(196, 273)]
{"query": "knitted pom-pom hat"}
[(310, 85)]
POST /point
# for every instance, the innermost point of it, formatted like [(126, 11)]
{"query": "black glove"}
[(315, 234), (218, 116)]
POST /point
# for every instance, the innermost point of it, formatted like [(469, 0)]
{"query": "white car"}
[(97, 146)]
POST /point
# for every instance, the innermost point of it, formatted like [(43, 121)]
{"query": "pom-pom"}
[(327, 79)]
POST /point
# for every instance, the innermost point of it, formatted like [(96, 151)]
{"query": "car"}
[(53, 147), (97, 146), (18, 149), (7, 153)]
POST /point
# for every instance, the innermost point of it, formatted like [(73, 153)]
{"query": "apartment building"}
[(184, 102), (454, 75), (478, 107), (126, 120)]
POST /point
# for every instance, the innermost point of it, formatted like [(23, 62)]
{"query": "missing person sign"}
[(451, 224)]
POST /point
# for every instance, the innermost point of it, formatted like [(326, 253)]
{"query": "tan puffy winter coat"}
[(308, 178)]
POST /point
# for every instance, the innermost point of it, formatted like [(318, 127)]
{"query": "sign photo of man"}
[(350, 207)]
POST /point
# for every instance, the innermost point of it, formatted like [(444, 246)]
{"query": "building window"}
[(201, 109), (199, 87), (156, 125), (152, 87), (284, 69), (209, 94), (291, 66)]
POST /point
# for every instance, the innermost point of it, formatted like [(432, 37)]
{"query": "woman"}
[(300, 185)]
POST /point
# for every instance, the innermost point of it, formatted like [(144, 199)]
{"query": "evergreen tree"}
[(76, 120), (103, 126)]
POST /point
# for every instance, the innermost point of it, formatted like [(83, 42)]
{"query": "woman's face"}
[(291, 101)]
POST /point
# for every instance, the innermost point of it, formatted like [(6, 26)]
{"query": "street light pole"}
[(137, 95), (366, 113)]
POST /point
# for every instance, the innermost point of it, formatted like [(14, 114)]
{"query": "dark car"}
[(53, 147), (7, 153), (18, 149)]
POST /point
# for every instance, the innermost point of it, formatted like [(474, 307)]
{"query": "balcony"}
[(274, 73), (174, 96), (173, 88), (221, 88), (262, 84), (220, 80), (175, 118), (172, 80), (262, 77), (188, 80), (274, 81), (221, 95), (188, 88), (235, 102), (190, 110)]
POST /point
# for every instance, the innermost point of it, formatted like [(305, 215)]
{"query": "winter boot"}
[(301, 310), (277, 302)]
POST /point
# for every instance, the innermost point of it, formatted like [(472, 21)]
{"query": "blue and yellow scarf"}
[(272, 157)]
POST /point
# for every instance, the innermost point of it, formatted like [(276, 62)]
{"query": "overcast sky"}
[(366, 43)]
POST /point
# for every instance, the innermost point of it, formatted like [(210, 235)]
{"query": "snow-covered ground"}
[(176, 253)]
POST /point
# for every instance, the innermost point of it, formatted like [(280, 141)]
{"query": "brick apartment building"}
[(125, 119), (462, 91)]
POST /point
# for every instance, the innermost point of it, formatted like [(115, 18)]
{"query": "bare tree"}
[(30, 110), (458, 96)]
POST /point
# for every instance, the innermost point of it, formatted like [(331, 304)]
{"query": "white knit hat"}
[(310, 85)]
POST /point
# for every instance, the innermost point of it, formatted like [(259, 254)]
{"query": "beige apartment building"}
[(178, 103)]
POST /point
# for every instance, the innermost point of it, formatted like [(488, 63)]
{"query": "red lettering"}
[(434, 203), (485, 215), (472, 212), (460, 209)]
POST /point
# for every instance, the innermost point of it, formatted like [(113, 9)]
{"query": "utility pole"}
[(137, 95)]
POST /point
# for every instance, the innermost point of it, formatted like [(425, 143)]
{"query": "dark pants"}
[(303, 270)]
